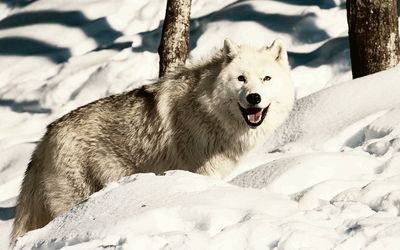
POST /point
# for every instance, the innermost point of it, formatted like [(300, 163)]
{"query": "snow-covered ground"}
[(332, 181)]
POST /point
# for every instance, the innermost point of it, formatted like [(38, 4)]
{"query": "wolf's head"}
[(254, 86)]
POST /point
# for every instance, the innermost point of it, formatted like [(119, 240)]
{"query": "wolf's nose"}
[(254, 98)]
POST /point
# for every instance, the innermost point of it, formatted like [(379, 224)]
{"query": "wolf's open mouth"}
[(254, 116)]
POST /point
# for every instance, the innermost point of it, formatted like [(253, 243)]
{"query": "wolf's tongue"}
[(254, 118)]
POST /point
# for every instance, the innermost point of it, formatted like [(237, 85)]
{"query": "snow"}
[(328, 179), (188, 212), (319, 116)]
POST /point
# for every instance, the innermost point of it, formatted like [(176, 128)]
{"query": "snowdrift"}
[(320, 116)]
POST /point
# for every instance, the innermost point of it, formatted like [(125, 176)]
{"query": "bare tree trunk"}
[(373, 35), (174, 44)]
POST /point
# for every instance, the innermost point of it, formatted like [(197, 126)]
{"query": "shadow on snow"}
[(24, 106), (322, 4), (325, 54), (7, 213), (301, 27), (18, 3), (98, 29), (21, 46)]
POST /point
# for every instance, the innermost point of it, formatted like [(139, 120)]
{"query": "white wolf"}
[(200, 118)]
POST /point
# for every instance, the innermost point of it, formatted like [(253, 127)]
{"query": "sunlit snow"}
[(328, 179)]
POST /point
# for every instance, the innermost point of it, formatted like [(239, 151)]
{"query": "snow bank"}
[(320, 116), (317, 201), (178, 210)]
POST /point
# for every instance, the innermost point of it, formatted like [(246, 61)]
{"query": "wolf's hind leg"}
[(64, 190)]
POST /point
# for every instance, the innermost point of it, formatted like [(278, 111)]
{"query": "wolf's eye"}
[(267, 78), (242, 78)]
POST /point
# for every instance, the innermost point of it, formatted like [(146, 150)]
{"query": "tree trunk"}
[(174, 44), (373, 35)]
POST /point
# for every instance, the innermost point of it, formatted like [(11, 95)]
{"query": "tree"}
[(173, 49), (373, 35)]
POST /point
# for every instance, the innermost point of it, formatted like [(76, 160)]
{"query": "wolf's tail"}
[(30, 211)]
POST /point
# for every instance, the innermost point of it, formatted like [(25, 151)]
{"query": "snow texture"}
[(328, 179)]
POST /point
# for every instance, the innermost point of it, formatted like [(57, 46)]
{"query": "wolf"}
[(201, 118)]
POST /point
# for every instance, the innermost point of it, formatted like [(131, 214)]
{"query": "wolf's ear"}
[(231, 49), (278, 51)]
